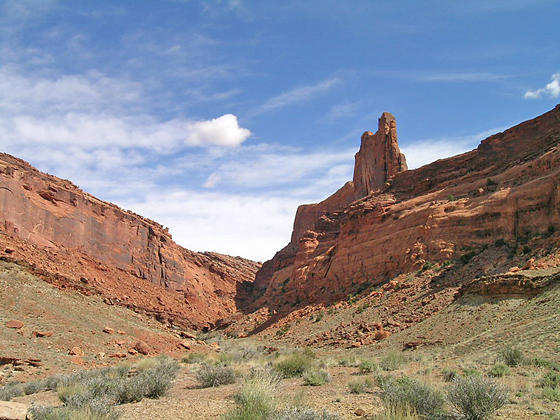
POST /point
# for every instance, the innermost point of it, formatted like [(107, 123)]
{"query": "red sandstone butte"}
[(389, 220), (66, 236)]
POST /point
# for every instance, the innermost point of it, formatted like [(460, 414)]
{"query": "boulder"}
[(142, 348), (14, 323), (12, 411)]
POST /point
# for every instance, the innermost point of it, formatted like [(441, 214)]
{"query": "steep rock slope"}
[(389, 221), (61, 230)]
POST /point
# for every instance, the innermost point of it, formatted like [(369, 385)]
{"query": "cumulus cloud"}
[(552, 89), (296, 95), (222, 131)]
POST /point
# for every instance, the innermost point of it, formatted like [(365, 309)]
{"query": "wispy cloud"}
[(341, 110), (552, 89), (459, 77), (296, 96), (422, 152)]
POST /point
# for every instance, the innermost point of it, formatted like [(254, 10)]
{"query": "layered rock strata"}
[(389, 220)]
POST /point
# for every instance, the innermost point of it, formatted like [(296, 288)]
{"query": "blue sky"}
[(218, 118)]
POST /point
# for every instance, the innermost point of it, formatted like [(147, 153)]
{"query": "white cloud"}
[(222, 131), (258, 167), (236, 224), (552, 89), (297, 95)]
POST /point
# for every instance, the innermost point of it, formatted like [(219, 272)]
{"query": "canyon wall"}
[(389, 220), (61, 222)]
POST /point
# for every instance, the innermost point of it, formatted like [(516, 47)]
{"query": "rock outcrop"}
[(76, 240), (377, 162), (389, 220)]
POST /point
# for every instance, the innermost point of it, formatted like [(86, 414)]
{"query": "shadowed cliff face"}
[(57, 227), (389, 220)]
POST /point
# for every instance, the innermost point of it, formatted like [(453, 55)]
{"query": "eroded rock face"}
[(379, 158), (397, 220), (58, 228), (377, 162)]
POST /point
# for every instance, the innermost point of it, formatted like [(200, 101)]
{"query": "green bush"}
[(405, 391), (367, 366), (359, 386), (316, 377), (476, 397), (499, 370), (392, 361), (511, 356), (211, 376), (34, 387), (295, 364)]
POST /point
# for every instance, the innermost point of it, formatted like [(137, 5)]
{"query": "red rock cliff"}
[(60, 229), (506, 189)]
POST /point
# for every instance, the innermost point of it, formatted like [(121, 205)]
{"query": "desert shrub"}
[(7, 392), (359, 386), (67, 413), (397, 413), (405, 391), (283, 330), (449, 374), (316, 377), (543, 363), (511, 356), (550, 380), (551, 394), (499, 370), (476, 398), (349, 362), (428, 265), (468, 372), (392, 361), (295, 364), (467, 257), (256, 399), (210, 376), (34, 387), (303, 413), (367, 366), (192, 358)]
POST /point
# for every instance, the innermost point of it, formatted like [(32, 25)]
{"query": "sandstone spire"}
[(379, 157)]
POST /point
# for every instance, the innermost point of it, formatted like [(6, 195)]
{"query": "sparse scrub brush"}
[(359, 386), (392, 361), (303, 413), (476, 397), (367, 366), (499, 370), (550, 380), (295, 364), (256, 399), (397, 413), (449, 374), (316, 377), (405, 391), (511, 356), (211, 376), (7, 392)]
